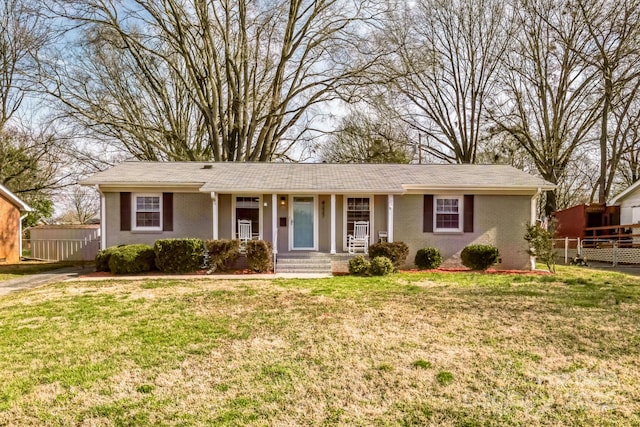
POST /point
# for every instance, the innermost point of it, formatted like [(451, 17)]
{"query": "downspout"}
[(534, 208), (103, 216), (20, 236)]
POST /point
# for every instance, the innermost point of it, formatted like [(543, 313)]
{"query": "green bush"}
[(179, 255), (428, 258), (479, 257), (132, 259), (102, 258), (359, 265), (381, 266), (222, 254), (397, 252), (259, 256)]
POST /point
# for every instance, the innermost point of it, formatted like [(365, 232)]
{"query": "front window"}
[(448, 214), (358, 209), (148, 212), (248, 208)]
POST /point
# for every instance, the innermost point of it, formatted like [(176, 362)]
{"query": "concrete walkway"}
[(34, 280)]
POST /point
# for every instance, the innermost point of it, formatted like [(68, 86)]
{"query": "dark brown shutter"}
[(468, 213), (427, 214), (167, 211), (125, 211)]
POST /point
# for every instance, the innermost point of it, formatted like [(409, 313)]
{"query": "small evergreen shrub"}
[(222, 254), (259, 255), (479, 257), (428, 258), (397, 252), (131, 259), (381, 266), (359, 265), (179, 255), (102, 258)]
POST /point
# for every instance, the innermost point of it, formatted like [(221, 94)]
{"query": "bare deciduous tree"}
[(221, 80), (363, 136), (614, 35), (447, 54), (23, 33), (549, 101)]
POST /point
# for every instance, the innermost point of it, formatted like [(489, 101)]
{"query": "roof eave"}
[(22, 205)]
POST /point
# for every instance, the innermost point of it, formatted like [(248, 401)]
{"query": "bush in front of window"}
[(381, 266), (428, 258), (259, 256), (359, 265), (130, 259), (221, 254), (397, 252), (479, 257), (102, 258), (179, 255)]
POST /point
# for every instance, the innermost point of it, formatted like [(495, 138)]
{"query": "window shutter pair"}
[(125, 211), (427, 211)]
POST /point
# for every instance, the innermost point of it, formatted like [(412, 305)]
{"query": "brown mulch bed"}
[(489, 271)]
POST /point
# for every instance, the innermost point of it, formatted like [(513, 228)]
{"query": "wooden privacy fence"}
[(61, 249)]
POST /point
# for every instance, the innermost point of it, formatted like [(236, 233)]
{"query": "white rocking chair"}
[(244, 234), (359, 240)]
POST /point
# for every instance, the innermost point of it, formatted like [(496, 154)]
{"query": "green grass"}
[(408, 349)]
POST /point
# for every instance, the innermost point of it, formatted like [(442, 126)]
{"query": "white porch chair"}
[(244, 234), (359, 240)]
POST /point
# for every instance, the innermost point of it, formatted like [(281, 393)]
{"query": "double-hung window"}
[(448, 213), (147, 214), (358, 209)]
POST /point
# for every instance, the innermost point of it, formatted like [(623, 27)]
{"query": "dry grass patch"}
[(432, 349)]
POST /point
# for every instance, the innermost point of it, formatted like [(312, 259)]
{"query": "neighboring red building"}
[(573, 221), (11, 208)]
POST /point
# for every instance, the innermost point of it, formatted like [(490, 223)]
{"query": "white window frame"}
[(345, 205), (460, 227), (234, 220), (134, 211)]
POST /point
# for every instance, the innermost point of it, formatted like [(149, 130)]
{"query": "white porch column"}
[(390, 218), (333, 223), (103, 220), (214, 211), (274, 222)]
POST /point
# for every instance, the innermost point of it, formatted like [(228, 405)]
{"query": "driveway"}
[(34, 280)]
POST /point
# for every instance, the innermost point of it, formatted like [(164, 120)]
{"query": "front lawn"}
[(411, 349)]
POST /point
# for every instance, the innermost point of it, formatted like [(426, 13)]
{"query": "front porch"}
[(302, 223)]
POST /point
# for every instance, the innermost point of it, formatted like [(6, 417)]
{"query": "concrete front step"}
[(306, 262)]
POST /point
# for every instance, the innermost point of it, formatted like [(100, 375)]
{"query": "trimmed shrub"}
[(397, 252), (479, 257), (381, 266), (359, 265), (132, 259), (179, 255), (102, 258), (221, 254), (428, 258), (259, 256)]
